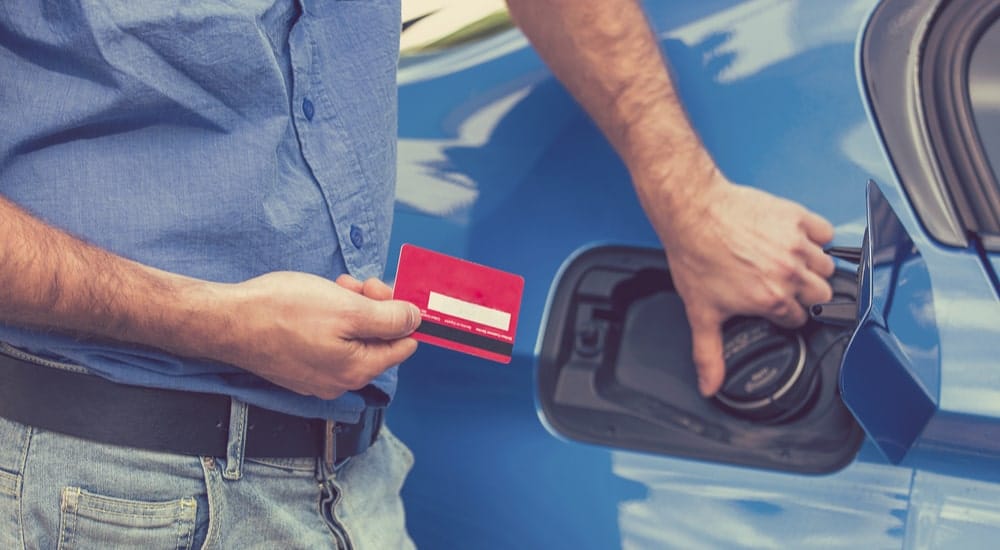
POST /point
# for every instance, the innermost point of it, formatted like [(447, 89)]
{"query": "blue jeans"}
[(62, 492)]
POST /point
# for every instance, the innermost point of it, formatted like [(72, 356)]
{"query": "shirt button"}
[(357, 236), (308, 109)]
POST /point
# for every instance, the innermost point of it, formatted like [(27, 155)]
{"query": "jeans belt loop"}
[(330, 444), (237, 440)]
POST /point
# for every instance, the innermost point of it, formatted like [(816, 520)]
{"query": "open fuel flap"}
[(615, 369)]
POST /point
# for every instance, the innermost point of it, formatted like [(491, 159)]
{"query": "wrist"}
[(677, 184), (669, 166), (191, 317)]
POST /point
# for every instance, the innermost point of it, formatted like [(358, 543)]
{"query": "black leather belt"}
[(191, 423)]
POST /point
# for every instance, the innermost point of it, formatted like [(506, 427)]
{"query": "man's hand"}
[(300, 331), (315, 337), (732, 249), (736, 250)]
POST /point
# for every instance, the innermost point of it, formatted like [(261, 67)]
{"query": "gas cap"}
[(767, 376)]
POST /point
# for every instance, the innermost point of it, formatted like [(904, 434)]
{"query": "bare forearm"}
[(300, 331), (607, 56), (51, 280)]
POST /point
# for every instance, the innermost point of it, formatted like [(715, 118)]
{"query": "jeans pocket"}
[(88, 520), (10, 528)]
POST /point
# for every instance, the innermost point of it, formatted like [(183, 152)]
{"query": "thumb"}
[(388, 320), (706, 336)]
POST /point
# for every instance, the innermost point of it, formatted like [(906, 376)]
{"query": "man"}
[(180, 185)]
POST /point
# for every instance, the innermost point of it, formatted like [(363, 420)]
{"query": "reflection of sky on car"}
[(779, 20), (433, 20), (861, 506), (768, 509), (969, 366), (776, 18), (459, 59), (861, 146), (436, 189), (446, 193)]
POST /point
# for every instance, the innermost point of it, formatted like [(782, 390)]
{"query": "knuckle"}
[(800, 245), (350, 317), (801, 216), (785, 269), (768, 298), (790, 273), (781, 309)]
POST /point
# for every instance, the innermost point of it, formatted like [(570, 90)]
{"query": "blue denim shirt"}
[(220, 139)]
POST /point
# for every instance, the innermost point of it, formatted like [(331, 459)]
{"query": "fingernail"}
[(703, 387)]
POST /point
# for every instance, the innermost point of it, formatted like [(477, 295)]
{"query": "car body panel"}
[(947, 316), (499, 166)]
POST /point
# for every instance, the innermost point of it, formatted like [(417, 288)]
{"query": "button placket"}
[(326, 138)]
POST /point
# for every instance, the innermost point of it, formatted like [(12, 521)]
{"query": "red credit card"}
[(465, 306)]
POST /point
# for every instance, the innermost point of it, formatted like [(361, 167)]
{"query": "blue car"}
[(876, 425)]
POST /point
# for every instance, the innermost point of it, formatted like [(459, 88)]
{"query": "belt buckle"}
[(330, 444)]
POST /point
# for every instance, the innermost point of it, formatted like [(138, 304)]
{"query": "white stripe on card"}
[(470, 312)]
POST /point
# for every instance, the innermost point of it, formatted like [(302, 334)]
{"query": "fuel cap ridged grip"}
[(767, 378)]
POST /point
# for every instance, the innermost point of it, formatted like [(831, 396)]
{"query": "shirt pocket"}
[(89, 520)]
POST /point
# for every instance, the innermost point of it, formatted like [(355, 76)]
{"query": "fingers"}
[(376, 290), (817, 228), (368, 359), (817, 261), (386, 320), (389, 353), (377, 315), (350, 283), (706, 337), (371, 288), (814, 289), (791, 315)]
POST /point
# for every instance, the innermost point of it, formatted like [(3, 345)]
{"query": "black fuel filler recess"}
[(615, 368)]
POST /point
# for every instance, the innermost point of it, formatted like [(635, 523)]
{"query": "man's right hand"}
[(314, 336)]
